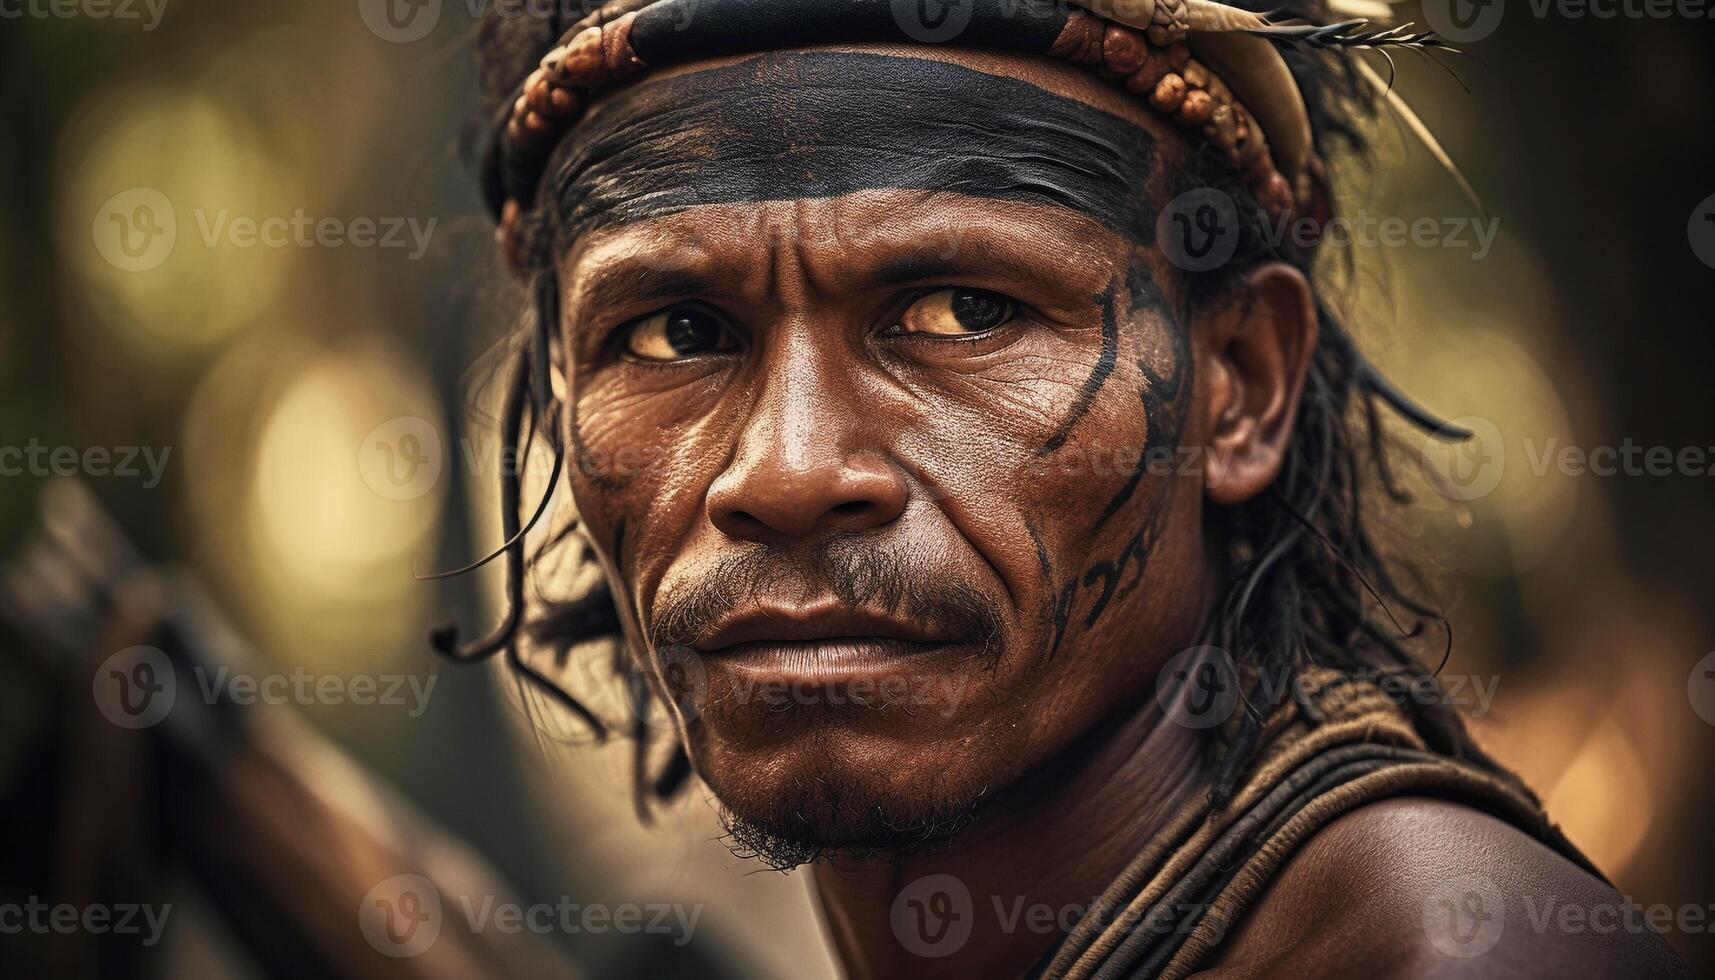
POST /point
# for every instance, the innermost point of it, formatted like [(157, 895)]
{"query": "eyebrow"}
[(633, 280), (917, 268), (795, 125)]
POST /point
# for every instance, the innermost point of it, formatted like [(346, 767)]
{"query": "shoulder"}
[(1417, 887)]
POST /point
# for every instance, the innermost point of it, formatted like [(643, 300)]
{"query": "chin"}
[(835, 792)]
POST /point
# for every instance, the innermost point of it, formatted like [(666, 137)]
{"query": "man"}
[(992, 549)]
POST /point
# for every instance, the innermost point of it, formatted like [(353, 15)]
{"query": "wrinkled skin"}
[(808, 432)]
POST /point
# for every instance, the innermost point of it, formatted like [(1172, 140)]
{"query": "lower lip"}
[(833, 661)]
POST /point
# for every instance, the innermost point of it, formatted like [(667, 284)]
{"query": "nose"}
[(804, 467)]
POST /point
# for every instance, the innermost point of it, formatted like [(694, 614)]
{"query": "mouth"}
[(824, 645)]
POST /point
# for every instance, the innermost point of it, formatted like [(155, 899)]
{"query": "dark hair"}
[(1306, 582)]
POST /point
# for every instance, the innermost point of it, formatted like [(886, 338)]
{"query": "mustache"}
[(856, 573)]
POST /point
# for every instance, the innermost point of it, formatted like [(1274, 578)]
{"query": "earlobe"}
[(1260, 346)]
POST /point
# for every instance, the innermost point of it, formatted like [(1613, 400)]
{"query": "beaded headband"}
[(1209, 67)]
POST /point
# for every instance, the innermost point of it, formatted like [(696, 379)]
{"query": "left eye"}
[(957, 312), (679, 332)]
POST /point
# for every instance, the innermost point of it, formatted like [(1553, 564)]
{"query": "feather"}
[(1421, 130), (1352, 34)]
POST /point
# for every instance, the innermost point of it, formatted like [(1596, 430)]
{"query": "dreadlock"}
[(1305, 583)]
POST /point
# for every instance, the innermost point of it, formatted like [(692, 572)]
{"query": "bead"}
[(1168, 94), (1196, 108), (1080, 40), (1273, 193), (1221, 129), (1144, 79), (1196, 76), (1178, 56), (535, 124), (1123, 50), (563, 101), (581, 64), (617, 55)]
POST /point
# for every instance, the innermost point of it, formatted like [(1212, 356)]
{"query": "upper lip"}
[(760, 624)]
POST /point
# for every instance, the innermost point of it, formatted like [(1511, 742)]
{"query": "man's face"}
[(867, 354)]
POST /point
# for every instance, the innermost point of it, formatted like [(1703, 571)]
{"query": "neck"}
[(1031, 865)]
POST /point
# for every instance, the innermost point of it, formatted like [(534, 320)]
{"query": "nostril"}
[(852, 508)]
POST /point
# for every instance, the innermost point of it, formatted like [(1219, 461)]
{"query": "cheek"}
[(642, 461)]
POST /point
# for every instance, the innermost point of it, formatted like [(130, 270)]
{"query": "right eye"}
[(679, 332)]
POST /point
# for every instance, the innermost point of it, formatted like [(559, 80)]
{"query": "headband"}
[(1209, 67)]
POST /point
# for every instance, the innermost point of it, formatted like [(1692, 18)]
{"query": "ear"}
[(1259, 349)]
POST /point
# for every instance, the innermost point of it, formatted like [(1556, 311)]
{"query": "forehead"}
[(824, 123)]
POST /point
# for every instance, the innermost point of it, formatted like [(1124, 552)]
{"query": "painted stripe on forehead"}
[(788, 125)]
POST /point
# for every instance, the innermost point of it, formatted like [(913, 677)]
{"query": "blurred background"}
[(249, 299)]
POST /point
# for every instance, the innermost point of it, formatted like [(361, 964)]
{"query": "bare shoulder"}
[(1417, 887)]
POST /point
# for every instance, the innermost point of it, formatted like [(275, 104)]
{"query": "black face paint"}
[(1098, 375), (1163, 410), (783, 126), (1166, 399), (1059, 609)]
